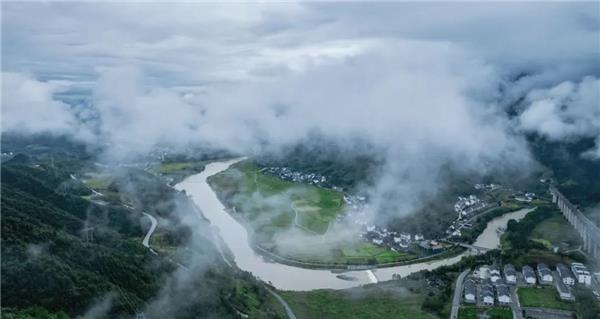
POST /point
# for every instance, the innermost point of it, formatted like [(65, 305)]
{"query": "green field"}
[(97, 181), (169, 168), (542, 297), (271, 207), (556, 231), (473, 312), (333, 304), (286, 204)]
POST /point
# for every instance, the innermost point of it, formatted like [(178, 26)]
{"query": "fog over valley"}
[(341, 137)]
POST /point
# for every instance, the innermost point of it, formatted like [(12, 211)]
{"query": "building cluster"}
[(289, 174), (582, 274), (467, 205), (356, 210), (488, 285), (525, 197), (391, 239), (486, 187)]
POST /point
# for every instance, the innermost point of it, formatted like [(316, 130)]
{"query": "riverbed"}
[(287, 277)]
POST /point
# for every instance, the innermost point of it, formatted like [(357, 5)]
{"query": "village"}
[(357, 207), (505, 286), (288, 174)]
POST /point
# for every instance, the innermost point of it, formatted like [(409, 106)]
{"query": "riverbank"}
[(298, 223), (281, 276)]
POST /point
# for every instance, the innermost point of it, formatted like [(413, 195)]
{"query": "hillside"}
[(50, 263)]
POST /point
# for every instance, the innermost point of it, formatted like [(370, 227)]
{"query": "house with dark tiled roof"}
[(503, 293), (545, 274), (487, 292), (566, 276), (529, 275), (510, 274), (470, 292)]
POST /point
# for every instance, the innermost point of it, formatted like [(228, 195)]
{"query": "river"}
[(294, 278)]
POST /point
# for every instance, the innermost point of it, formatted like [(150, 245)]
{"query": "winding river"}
[(293, 278)]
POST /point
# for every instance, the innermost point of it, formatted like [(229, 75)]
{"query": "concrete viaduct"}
[(589, 232)]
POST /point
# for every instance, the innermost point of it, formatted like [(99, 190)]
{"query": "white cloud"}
[(28, 106), (567, 111), (427, 87)]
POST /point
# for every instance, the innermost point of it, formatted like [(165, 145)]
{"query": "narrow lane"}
[(457, 293)]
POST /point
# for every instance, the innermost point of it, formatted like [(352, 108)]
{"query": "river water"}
[(294, 278)]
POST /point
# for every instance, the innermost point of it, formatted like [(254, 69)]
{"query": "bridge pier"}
[(589, 232)]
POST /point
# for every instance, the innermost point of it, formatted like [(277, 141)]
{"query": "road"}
[(515, 306), (457, 293), (288, 309), (146, 241)]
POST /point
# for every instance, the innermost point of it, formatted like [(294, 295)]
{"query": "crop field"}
[(543, 298)]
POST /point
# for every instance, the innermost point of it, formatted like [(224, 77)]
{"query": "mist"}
[(427, 97), (426, 89)]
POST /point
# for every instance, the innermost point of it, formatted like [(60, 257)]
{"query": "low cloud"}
[(430, 96), (566, 112), (29, 106)]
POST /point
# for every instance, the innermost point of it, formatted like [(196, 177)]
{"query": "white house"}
[(581, 273), (544, 273), (564, 291), (495, 274), (565, 275), (405, 236), (529, 275), (487, 294), (510, 274), (470, 291), (484, 272), (503, 294)]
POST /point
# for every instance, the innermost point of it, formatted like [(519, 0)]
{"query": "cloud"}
[(568, 111), (428, 89), (29, 107)]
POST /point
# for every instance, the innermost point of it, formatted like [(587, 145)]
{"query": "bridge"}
[(589, 232), (477, 250)]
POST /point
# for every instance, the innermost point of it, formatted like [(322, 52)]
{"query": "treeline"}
[(578, 177)]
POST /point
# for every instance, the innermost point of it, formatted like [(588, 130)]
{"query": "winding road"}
[(146, 241)]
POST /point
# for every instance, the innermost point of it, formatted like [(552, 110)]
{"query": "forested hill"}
[(52, 265)]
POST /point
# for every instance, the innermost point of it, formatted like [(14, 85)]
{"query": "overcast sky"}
[(429, 84)]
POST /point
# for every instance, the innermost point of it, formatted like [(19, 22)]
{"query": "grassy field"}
[(97, 182), (285, 203), (270, 206), (556, 231), (472, 312), (169, 168), (333, 304), (368, 251), (542, 297)]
